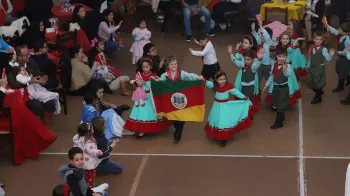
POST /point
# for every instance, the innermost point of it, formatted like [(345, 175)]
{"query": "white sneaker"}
[(100, 189), (126, 132)]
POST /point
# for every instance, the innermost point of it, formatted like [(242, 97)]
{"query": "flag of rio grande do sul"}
[(179, 100)]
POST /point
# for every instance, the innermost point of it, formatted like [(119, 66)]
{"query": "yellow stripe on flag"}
[(194, 113)]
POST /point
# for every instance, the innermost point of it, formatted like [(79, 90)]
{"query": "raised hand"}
[(285, 66), (230, 49), (238, 45), (253, 26)]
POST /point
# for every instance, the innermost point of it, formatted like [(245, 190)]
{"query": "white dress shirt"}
[(208, 54), (3, 89)]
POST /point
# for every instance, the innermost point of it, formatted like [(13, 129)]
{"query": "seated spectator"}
[(110, 112), (191, 7), (22, 57), (107, 32), (82, 75), (106, 165), (110, 74), (88, 21), (36, 91), (30, 136), (45, 64), (73, 175)]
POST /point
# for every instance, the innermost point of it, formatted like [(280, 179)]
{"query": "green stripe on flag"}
[(166, 87)]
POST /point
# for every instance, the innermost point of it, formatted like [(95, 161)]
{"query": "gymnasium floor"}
[(309, 156)]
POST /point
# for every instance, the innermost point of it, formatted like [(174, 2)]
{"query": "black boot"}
[(223, 143), (318, 96), (278, 122), (120, 109), (346, 101), (282, 117), (340, 86), (347, 80), (178, 131)]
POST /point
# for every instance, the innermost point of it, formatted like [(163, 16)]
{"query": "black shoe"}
[(188, 38), (277, 126), (120, 109), (223, 143), (337, 90), (345, 101), (107, 90), (316, 100), (279, 121), (177, 140), (211, 34)]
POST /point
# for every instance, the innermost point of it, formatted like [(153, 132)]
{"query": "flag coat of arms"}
[(179, 100)]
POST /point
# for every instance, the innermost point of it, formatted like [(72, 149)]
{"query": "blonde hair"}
[(168, 59)]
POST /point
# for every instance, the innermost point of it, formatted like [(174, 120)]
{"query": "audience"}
[(82, 75), (106, 31), (22, 58), (194, 7)]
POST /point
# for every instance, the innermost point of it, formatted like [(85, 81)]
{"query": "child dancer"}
[(85, 140), (222, 122), (294, 57), (144, 119), (265, 42), (173, 74), (248, 43), (141, 37), (316, 76), (36, 91), (342, 66), (208, 54), (247, 80), (282, 85), (111, 75), (139, 96)]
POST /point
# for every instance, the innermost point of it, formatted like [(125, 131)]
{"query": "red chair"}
[(6, 125)]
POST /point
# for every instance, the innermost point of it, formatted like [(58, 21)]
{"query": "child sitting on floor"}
[(73, 176)]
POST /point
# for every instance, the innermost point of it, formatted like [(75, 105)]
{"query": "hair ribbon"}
[(93, 42)]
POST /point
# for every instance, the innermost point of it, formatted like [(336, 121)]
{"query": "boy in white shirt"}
[(208, 54)]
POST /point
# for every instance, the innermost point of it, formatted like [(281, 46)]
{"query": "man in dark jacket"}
[(23, 58)]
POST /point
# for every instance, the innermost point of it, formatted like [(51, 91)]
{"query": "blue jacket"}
[(88, 113)]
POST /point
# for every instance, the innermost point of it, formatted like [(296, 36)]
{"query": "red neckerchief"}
[(313, 47), (177, 74), (226, 87), (276, 70), (246, 67), (242, 51), (261, 45), (146, 77)]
